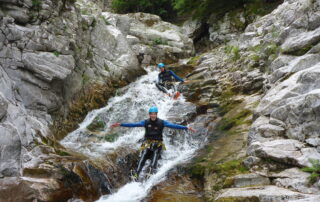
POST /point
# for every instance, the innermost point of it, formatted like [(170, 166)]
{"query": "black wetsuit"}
[(166, 79), (152, 145)]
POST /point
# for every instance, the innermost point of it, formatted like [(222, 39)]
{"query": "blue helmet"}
[(153, 109), (161, 65)]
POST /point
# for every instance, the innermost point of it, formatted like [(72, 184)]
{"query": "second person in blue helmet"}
[(166, 79), (153, 138)]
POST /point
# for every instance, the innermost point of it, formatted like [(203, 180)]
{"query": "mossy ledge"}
[(91, 97)]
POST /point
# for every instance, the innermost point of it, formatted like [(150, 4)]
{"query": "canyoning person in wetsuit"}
[(166, 79), (152, 144)]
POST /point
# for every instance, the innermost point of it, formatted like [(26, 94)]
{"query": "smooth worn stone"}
[(251, 179), (260, 193)]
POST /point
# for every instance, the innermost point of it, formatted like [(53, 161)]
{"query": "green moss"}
[(272, 48), (226, 98), (258, 7), (314, 170), (36, 4), (194, 60), (224, 171), (228, 182), (234, 51), (239, 199), (110, 137), (287, 76), (56, 53), (62, 153), (256, 48), (235, 120), (255, 58), (97, 124), (85, 78), (159, 41), (197, 171), (299, 52), (235, 20)]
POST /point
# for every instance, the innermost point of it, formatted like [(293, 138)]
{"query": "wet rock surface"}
[(59, 60), (267, 75), (269, 59)]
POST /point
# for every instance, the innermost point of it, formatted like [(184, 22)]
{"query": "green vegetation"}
[(36, 4), (225, 98), (162, 8), (203, 9), (222, 170), (56, 53), (234, 51), (300, 51), (85, 78), (159, 41), (314, 170), (97, 124), (62, 153), (194, 60), (110, 137), (266, 52), (238, 119), (170, 9)]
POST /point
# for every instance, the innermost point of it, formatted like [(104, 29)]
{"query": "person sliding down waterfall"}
[(166, 81), (152, 144)]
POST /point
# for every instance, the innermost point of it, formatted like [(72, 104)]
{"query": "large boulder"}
[(48, 66), (296, 180), (287, 151), (152, 39)]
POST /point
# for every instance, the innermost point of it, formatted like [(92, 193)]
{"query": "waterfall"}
[(131, 104)]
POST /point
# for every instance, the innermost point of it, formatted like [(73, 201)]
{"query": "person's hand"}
[(192, 130), (115, 125), (186, 81)]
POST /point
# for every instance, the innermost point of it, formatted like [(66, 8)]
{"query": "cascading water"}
[(131, 105)]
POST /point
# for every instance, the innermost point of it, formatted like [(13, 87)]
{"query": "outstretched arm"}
[(130, 125), (176, 126), (176, 77)]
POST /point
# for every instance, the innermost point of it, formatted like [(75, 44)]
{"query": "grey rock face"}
[(287, 151), (246, 180), (48, 66), (152, 39), (296, 180), (10, 150), (49, 52), (250, 161), (302, 41), (3, 106), (263, 194)]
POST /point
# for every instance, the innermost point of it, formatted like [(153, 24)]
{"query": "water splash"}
[(131, 106)]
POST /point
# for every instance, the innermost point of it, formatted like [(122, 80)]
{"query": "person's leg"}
[(155, 158), (142, 161), (161, 88)]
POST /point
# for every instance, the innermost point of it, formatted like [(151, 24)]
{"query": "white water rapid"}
[(131, 105)]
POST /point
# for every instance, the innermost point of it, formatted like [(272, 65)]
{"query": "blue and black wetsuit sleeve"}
[(159, 79), (131, 125), (176, 77), (175, 126)]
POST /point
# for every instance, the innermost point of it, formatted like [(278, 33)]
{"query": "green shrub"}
[(204, 8), (163, 8)]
